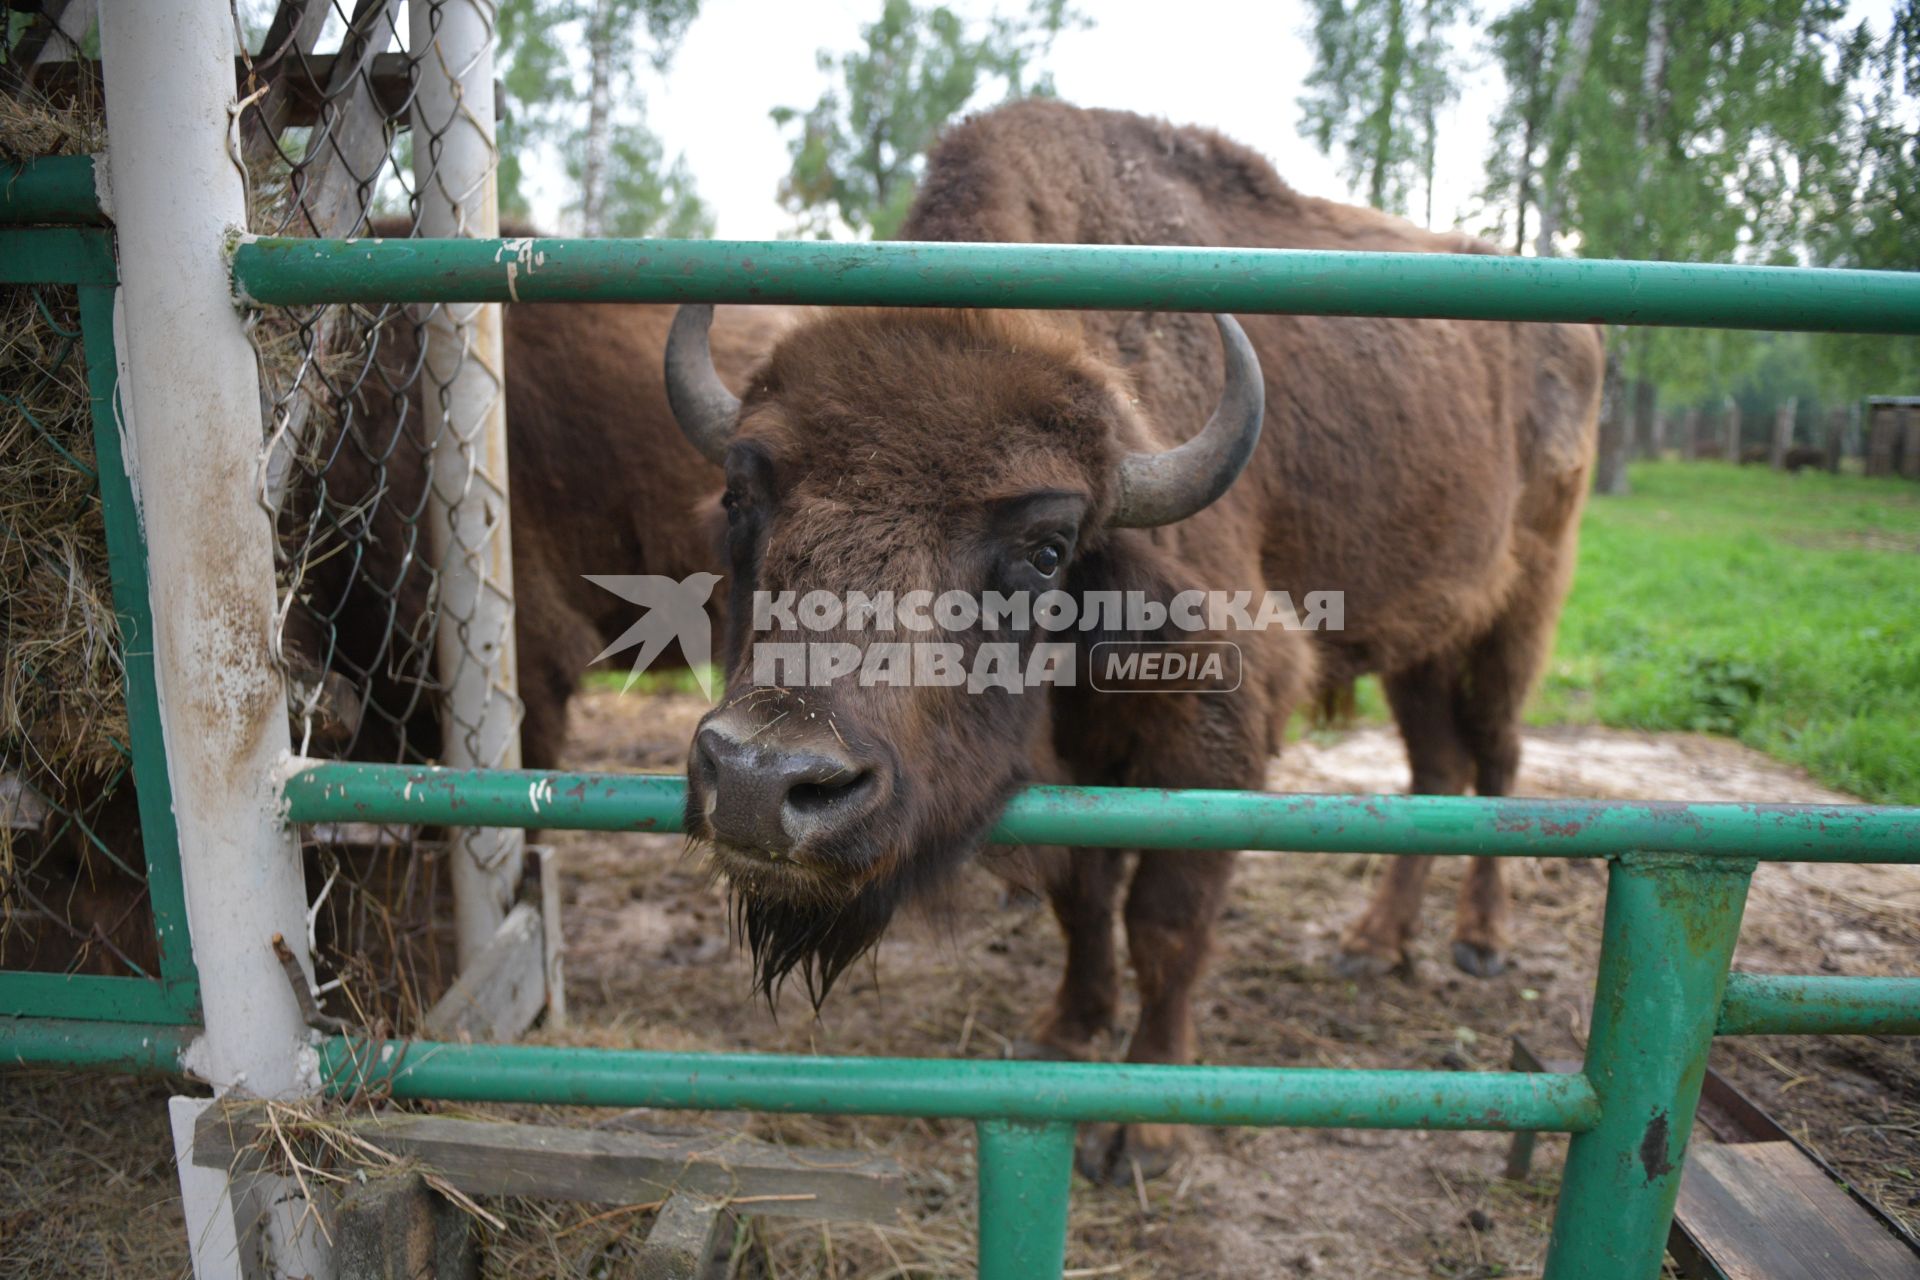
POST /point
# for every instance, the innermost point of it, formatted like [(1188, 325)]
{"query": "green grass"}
[(1780, 610), (672, 680)]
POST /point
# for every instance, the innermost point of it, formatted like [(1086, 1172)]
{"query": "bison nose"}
[(763, 795)]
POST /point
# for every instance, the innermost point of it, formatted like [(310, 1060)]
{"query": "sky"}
[(1234, 65)]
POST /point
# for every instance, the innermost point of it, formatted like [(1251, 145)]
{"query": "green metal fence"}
[(81, 258), (1678, 873)]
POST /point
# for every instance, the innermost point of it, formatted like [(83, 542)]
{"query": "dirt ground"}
[(650, 965)]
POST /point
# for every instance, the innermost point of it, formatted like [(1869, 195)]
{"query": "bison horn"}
[(702, 405), (1160, 488)]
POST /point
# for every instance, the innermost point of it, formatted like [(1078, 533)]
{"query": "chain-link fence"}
[(385, 470)]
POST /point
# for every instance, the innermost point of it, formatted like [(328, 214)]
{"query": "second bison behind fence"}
[(601, 482)]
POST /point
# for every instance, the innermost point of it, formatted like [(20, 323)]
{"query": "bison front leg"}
[(1423, 702), (1480, 921), (1171, 907), (1081, 889)]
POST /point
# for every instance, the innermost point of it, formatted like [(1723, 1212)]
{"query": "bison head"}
[(889, 453)]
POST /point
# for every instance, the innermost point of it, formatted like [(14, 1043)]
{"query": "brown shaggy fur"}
[(1433, 471), (601, 482)]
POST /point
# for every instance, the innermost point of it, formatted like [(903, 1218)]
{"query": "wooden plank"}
[(495, 1158), (1763, 1211), (551, 935), (503, 990), (691, 1239)]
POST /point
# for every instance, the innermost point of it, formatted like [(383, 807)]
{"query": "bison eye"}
[(1046, 559)]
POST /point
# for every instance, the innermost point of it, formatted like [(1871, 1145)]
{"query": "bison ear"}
[(1160, 488), (706, 411)]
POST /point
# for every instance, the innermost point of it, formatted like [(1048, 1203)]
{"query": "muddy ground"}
[(649, 964)]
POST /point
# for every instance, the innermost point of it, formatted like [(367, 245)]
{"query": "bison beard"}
[(818, 937), (821, 934)]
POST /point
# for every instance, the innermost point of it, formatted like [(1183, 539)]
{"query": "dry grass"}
[(61, 706), (33, 126), (63, 723)]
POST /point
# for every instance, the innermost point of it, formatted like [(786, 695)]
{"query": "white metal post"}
[(191, 397), (192, 405), (454, 165)]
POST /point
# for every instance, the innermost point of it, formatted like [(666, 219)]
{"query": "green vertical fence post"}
[(127, 567), (1671, 924), (1026, 1173)]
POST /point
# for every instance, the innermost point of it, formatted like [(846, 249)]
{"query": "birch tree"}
[(857, 153), (570, 72), (1383, 70)]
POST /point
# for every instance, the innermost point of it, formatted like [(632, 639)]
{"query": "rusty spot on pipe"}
[(1653, 1148)]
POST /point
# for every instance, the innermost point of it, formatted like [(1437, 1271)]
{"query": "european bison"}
[(1433, 471), (1801, 456)]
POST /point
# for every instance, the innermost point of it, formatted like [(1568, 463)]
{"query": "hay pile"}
[(62, 714), (62, 711)]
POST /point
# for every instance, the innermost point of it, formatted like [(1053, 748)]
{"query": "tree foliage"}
[(1697, 131), (858, 151), (1383, 71), (1878, 225), (569, 69)]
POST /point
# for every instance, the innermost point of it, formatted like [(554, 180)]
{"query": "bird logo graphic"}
[(675, 611)]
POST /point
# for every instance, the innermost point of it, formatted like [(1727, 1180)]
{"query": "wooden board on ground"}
[(494, 1158), (1763, 1211), (503, 990), (691, 1239)]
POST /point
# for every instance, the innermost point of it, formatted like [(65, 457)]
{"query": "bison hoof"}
[(1368, 964), (1042, 1049), (1478, 960), (1114, 1154)]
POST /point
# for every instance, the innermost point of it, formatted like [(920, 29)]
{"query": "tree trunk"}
[(1610, 465), (1836, 439), (1529, 139), (1579, 42), (1732, 428), (1393, 64), (1645, 396), (593, 162), (1689, 434), (1783, 433), (1428, 111)]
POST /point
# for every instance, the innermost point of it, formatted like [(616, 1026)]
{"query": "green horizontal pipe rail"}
[(1155, 819), (108, 1046), (286, 271), (964, 1089), (1772, 1005), (51, 189)]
